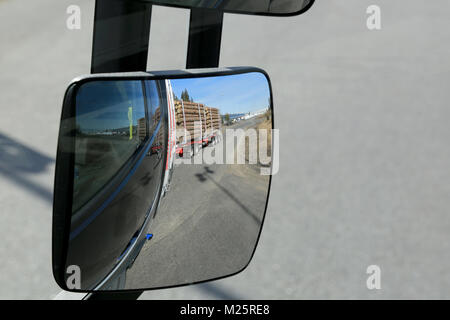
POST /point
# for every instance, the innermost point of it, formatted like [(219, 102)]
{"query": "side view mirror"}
[(258, 7), (162, 179)]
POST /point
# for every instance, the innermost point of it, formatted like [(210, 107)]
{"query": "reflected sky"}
[(104, 105), (231, 94)]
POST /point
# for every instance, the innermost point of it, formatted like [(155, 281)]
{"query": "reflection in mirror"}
[(110, 127), (117, 167), (243, 6), (170, 179), (208, 222)]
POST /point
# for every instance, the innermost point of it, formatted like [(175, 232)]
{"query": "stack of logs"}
[(212, 118), (193, 112)]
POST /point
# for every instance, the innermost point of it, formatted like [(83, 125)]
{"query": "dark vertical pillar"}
[(121, 35), (205, 34)]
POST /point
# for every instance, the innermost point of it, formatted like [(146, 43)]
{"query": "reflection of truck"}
[(192, 126), (196, 126)]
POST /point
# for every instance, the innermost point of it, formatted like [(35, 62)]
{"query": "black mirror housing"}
[(134, 207), (252, 7)]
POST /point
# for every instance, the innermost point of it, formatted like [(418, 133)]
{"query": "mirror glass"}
[(167, 179), (279, 7), (106, 136)]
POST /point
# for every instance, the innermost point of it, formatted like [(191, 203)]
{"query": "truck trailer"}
[(197, 126), (192, 126)]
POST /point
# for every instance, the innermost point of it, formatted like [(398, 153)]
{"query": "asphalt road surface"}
[(207, 224), (364, 154)]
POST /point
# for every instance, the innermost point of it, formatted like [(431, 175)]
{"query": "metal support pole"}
[(201, 122), (184, 122)]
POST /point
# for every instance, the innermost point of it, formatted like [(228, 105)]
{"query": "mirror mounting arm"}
[(121, 36), (205, 35)]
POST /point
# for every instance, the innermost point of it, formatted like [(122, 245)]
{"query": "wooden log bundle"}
[(195, 119), (213, 118), (186, 115)]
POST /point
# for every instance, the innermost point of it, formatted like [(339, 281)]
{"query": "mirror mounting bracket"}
[(122, 32)]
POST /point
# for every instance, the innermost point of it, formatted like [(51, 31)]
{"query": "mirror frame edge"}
[(61, 217), (60, 220)]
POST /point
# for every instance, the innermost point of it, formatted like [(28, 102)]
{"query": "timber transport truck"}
[(197, 126), (191, 126)]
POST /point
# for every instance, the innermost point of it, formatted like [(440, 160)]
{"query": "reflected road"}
[(211, 214)]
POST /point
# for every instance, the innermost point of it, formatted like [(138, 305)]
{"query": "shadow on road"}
[(206, 176), (18, 162), (217, 292)]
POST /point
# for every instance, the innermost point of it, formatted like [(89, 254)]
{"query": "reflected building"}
[(142, 129)]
